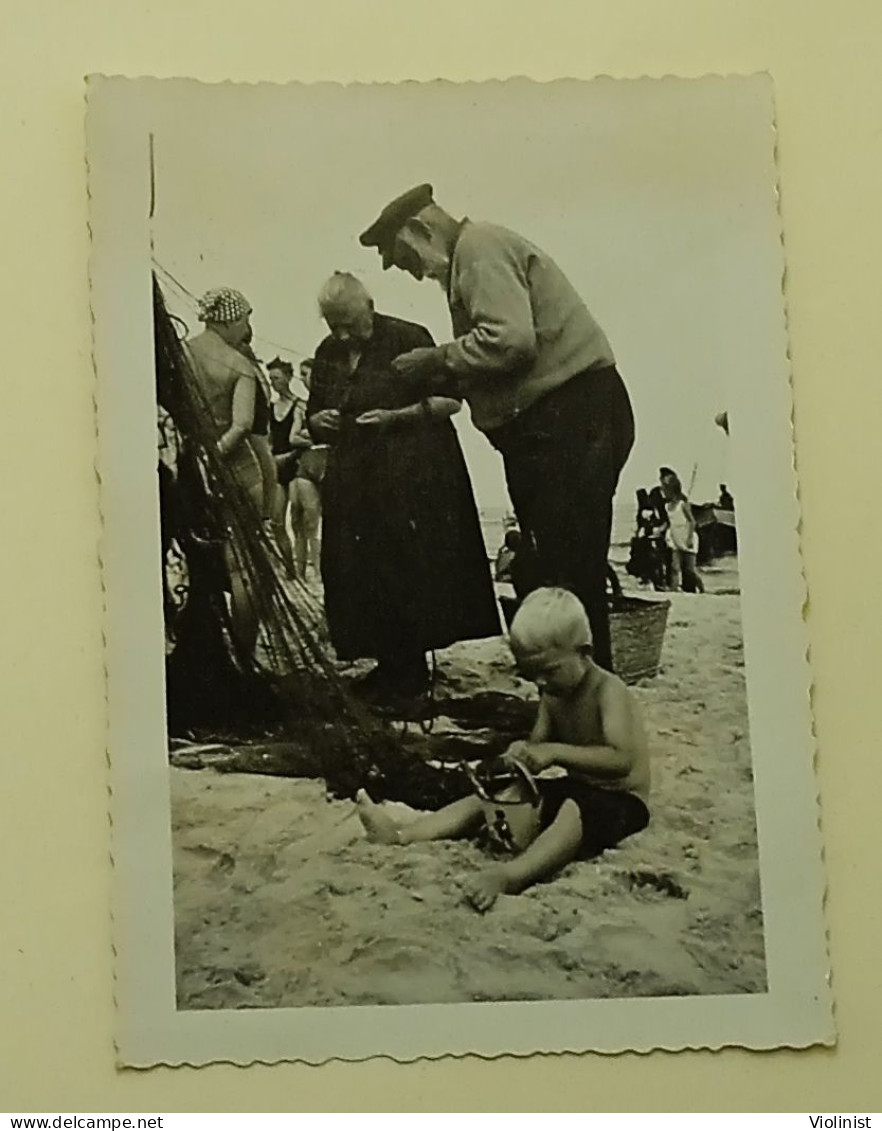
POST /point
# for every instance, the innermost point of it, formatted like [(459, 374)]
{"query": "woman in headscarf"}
[(403, 560), (229, 381), (230, 384)]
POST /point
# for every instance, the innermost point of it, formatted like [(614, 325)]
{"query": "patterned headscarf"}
[(223, 304)]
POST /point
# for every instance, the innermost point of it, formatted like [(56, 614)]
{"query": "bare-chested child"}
[(588, 724)]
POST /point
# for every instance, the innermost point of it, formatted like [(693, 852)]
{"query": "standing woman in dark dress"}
[(403, 560), (305, 491), (299, 463), (288, 440), (286, 423)]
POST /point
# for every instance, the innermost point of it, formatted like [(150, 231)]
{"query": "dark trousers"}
[(563, 457)]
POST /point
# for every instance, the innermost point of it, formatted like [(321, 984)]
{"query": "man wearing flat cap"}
[(540, 378)]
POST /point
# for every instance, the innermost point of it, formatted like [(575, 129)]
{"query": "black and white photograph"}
[(458, 689)]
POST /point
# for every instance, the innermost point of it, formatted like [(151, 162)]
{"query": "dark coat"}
[(403, 560)]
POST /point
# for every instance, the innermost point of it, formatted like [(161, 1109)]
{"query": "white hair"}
[(550, 618), (343, 291)]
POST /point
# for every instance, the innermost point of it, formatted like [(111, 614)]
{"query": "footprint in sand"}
[(645, 961), (346, 883), (664, 882), (550, 929), (224, 862), (248, 974)]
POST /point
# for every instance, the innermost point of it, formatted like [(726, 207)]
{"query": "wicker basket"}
[(637, 627)]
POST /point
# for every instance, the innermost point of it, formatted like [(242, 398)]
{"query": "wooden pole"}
[(152, 159)]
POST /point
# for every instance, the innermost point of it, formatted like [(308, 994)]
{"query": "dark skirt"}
[(403, 559)]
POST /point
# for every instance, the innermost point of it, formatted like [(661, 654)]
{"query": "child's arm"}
[(540, 733), (613, 759), (542, 728), (693, 525)]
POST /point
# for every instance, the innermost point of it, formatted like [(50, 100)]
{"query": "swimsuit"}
[(608, 816), (681, 533), (518, 807)]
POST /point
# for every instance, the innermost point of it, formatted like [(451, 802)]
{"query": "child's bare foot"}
[(482, 891), (380, 827)]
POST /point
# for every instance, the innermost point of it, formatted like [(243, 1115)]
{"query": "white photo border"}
[(796, 1010)]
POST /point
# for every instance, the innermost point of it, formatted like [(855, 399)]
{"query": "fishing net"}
[(289, 686)]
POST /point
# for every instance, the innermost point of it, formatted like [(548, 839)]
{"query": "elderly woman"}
[(229, 381), (403, 560)]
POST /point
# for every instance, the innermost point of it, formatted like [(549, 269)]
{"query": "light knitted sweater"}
[(521, 329)]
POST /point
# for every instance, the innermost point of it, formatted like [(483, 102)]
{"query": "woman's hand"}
[(377, 418)]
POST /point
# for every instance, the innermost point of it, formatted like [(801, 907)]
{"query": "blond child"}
[(588, 725)]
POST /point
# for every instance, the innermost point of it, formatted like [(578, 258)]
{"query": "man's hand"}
[(325, 423), (377, 418), (417, 363)]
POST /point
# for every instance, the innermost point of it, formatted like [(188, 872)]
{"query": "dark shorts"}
[(608, 816), (312, 465), (286, 469)]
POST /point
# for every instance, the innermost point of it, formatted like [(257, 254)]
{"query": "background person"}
[(306, 490), (289, 437), (645, 561), (682, 536), (290, 441), (511, 543)]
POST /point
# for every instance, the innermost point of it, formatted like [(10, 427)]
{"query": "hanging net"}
[(288, 686)]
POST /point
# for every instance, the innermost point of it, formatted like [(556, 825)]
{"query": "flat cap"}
[(381, 234)]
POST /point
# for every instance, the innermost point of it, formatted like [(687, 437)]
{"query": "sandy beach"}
[(281, 901)]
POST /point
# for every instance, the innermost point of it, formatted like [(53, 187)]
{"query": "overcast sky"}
[(656, 197)]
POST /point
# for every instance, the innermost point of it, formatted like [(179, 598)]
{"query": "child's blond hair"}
[(550, 618)]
